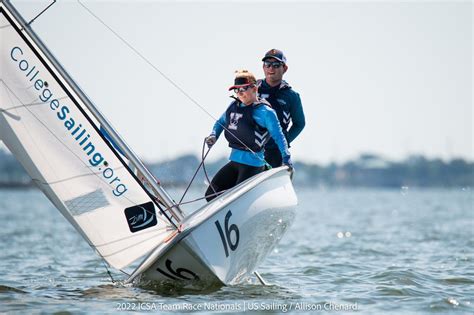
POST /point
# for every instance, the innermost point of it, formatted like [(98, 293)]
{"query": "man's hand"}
[(211, 140)]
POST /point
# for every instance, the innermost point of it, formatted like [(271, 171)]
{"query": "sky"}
[(392, 78)]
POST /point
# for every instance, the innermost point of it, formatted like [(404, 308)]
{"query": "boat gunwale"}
[(207, 211)]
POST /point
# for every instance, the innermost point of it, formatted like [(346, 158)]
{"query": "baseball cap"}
[(243, 78), (276, 54)]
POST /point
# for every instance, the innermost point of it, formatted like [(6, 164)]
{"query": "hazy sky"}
[(386, 77)]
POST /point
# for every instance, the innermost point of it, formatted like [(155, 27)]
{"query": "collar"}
[(264, 84)]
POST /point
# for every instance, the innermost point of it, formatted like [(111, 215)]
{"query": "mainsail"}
[(46, 124)]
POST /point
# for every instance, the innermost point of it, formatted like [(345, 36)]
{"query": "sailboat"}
[(103, 189)]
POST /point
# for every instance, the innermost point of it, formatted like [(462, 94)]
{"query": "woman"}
[(248, 122)]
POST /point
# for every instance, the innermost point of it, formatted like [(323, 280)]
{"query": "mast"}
[(157, 189)]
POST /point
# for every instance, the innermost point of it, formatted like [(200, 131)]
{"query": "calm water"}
[(366, 251)]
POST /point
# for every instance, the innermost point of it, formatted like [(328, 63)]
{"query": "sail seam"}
[(133, 236), (130, 246), (62, 143)]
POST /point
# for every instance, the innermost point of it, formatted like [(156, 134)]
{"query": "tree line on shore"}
[(368, 170)]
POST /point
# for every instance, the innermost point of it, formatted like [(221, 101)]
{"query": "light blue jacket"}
[(265, 117)]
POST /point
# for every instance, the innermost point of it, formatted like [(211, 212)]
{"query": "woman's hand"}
[(287, 161), (211, 140)]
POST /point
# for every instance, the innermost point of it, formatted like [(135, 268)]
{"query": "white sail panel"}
[(53, 135)]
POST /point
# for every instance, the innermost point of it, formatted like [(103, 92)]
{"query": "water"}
[(402, 251)]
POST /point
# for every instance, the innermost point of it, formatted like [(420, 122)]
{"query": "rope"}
[(166, 78), (203, 157), (205, 172), (108, 272), (197, 199), (44, 10), (200, 198)]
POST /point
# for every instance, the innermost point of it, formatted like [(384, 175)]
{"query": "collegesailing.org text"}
[(73, 126)]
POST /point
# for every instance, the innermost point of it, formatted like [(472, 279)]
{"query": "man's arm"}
[(297, 118)]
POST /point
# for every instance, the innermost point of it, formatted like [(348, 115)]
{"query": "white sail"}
[(58, 141)]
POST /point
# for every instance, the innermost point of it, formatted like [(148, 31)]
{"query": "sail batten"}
[(56, 136)]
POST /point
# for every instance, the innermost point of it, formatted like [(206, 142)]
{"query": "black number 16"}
[(225, 238), (177, 274)]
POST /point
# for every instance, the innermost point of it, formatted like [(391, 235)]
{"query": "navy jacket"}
[(287, 104)]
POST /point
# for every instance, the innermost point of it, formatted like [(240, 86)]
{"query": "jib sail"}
[(57, 139)]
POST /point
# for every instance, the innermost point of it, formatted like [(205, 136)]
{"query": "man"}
[(283, 99)]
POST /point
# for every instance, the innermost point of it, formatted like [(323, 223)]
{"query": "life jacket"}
[(243, 127), (278, 104)]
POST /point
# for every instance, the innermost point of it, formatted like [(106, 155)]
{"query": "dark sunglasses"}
[(242, 89), (273, 64)]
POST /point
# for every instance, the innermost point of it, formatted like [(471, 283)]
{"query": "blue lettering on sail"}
[(72, 126)]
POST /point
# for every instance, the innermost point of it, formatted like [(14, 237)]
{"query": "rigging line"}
[(146, 60), (64, 145), (108, 271), (220, 192), (44, 10), (197, 199), (197, 170), (167, 78), (205, 172)]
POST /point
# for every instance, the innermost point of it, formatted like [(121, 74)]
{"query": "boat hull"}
[(226, 240)]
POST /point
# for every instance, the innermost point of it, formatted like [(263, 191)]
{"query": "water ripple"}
[(386, 252)]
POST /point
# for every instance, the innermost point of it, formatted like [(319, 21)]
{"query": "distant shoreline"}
[(5, 186), (367, 171)]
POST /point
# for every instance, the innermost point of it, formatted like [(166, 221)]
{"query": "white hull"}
[(258, 212)]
